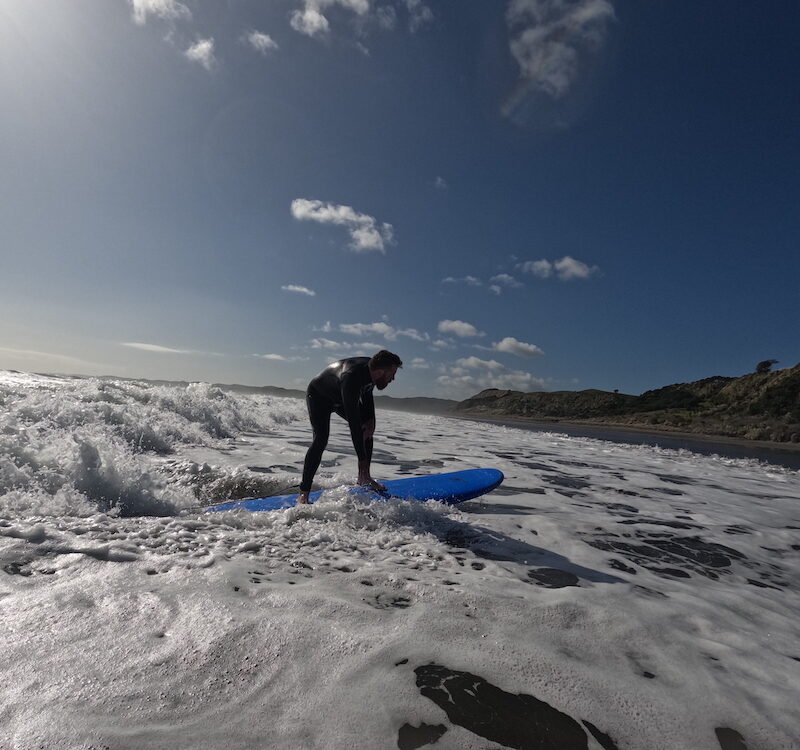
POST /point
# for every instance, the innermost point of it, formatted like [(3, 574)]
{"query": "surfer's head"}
[(383, 367)]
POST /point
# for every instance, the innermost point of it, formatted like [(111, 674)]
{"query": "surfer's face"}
[(382, 378)]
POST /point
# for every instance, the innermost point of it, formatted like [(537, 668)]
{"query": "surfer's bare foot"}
[(373, 485), (302, 498)]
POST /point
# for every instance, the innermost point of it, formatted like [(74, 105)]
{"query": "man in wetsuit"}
[(345, 387)]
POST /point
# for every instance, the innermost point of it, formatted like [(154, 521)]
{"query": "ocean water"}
[(781, 454), (605, 596)]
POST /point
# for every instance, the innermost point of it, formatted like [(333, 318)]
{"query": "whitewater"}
[(605, 596)]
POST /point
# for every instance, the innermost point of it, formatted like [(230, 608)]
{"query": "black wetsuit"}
[(345, 387)]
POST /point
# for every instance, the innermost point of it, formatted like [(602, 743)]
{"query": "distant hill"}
[(758, 406), (415, 404)]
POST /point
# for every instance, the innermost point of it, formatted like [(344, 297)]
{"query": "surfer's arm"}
[(351, 392), (360, 416), (367, 408)]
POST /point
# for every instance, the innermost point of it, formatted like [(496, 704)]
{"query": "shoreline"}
[(553, 424)]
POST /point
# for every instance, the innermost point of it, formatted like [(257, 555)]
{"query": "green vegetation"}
[(760, 406)]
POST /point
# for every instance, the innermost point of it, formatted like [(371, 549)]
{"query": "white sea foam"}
[(304, 628), (77, 446)]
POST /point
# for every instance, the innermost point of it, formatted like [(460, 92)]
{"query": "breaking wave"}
[(79, 446)]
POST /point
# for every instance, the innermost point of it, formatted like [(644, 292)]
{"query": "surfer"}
[(345, 387)]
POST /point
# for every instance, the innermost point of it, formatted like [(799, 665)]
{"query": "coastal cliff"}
[(758, 406)]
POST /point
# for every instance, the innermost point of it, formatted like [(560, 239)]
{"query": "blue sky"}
[(532, 194)]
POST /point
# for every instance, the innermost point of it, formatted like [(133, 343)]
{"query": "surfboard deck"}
[(451, 488)]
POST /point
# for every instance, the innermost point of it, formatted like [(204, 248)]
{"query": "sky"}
[(525, 194)]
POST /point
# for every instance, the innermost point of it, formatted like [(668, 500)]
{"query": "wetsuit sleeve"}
[(351, 393), (367, 407)]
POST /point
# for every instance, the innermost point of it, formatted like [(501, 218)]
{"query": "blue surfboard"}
[(452, 488)]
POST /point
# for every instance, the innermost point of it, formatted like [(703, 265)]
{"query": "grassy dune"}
[(758, 406)]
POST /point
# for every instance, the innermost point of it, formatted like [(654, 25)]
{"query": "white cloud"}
[(441, 344), (340, 346), (155, 348), (202, 52), (390, 333), (281, 358), (261, 42), (328, 344), (468, 280), (420, 14), (167, 10), (457, 383), (360, 329), (441, 183), (567, 268), (510, 345), (360, 7), (311, 21), (387, 17), (496, 285), (418, 363), (165, 349), (469, 375), (475, 363), (541, 268), (459, 328), (365, 233), (554, 43), (516, 380), (309, 17), (413, 333), (551, 36), (504, 279), (299, 290)]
